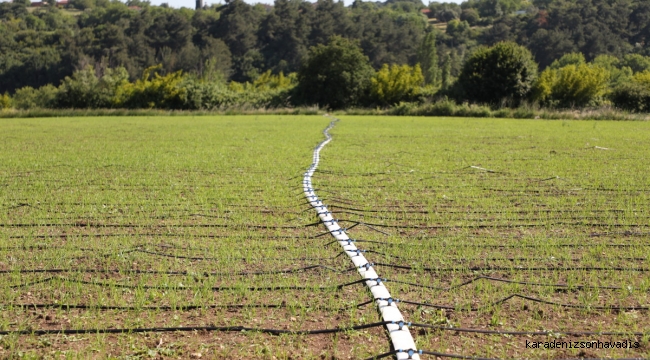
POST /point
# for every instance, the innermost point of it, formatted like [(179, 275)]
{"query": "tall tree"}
[(428, 59), (330, 18), (284, 34)]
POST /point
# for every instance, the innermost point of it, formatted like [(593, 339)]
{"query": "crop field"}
[(190, 237)]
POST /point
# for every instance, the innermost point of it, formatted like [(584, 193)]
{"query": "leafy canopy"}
[(504, 72), (396, 83), (336, 75)]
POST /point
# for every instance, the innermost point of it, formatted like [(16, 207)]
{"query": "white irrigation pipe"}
[(399, 332)]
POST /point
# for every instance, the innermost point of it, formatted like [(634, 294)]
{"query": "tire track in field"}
[(398, 329)]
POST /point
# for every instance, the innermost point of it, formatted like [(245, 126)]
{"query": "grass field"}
[(129, 223)]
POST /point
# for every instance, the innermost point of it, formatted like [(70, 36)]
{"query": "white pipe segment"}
[(398, 330)]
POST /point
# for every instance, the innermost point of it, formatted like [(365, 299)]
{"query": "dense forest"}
[(47, 50)]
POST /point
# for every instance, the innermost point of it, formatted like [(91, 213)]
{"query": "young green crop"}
[(184, 221)]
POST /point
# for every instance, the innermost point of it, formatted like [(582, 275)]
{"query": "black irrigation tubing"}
[(150, 287), (525, 333), (193, 328), (192, 258), (447, 210), (490, 278), (199, 258), (492, 225), (134, 246), (176, 206), (339, 173), (156, 272), (166, 307), (523, 297), (177, 235), (513, 268), (512, 259), (95, 225), (572, 245), (489, 212), (482, 219)]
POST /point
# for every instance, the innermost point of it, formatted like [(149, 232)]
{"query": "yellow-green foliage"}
[(30, 98), (572, 85), (642, 78), (237, 87), (5, 101), (268, 81), (265, 82), (395, 83), (153, 90)]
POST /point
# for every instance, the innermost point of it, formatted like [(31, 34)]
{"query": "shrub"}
[(5, 101), (504, 72), (79, 91), (30, 98), (396, 83), (85, 90), (572, 85), (633, 97), (153, 91)]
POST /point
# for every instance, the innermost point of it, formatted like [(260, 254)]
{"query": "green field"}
[(199, 221)]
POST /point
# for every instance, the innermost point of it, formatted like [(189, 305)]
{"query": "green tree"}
[(336, 75), (636, 62), (394, 84), (618, 73), (428, 59), (572, 85), (285, 33), (504, 72), (574, 58), (471, 16), (237, 27)]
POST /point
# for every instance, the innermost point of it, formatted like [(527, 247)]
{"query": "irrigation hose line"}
[(190, 328), (400, 335)]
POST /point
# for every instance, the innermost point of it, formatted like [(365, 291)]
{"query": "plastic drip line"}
[(397, 328)]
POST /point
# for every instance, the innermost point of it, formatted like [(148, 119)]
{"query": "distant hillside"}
[(41, 43)]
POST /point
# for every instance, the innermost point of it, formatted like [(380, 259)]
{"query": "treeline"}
[(107, 54)]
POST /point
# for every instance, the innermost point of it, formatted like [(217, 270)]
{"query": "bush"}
[(336, 75), (632, 97), (79, 91), (635, 95), (84, 90), (504, 72), (270, 92), (30, 98), (395, 84), (572, 85), (5, 101), (153, 91)]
